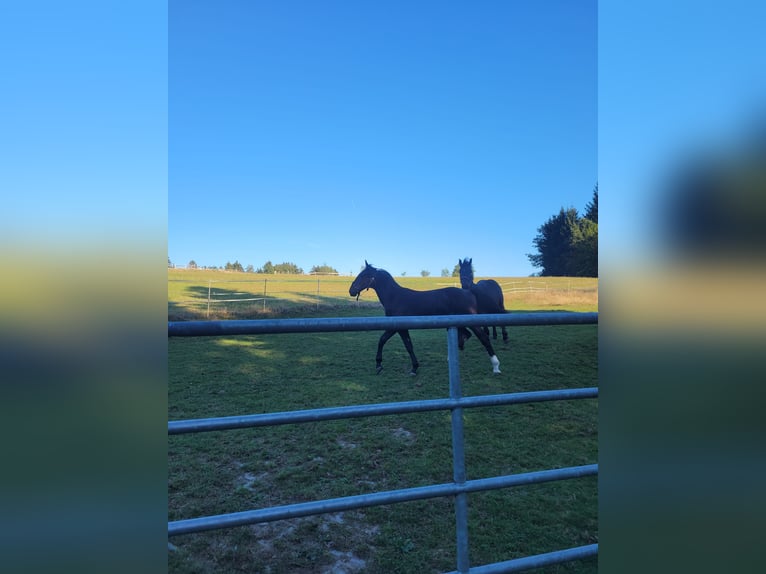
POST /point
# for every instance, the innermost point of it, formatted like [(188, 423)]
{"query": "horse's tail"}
[(501, 297)]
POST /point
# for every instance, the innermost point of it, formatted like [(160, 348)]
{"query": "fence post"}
[(264, 293), (458, 453), (209, 284)]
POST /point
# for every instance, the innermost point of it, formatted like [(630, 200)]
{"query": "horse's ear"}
[(366, 264)]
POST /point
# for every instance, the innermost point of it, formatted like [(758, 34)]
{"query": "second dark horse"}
[(399, 301), (489, 294)]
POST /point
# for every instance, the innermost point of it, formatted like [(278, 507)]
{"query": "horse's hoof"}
[(413, 373), (378, 369), (495, 364)]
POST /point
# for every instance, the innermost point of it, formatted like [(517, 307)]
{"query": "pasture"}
[(327, 295), (219, 472)]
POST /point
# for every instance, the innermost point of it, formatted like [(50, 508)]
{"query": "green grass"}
[(213, 473)]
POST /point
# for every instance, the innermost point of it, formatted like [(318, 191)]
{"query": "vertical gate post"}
[(209, 287), (458, 453)]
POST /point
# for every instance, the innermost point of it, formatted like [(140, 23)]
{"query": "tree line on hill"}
[(567, 244), (287, 268)]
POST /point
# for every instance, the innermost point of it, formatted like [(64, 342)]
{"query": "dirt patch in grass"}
[(338, 543)]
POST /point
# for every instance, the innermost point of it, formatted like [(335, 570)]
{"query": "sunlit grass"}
[(307, 295)]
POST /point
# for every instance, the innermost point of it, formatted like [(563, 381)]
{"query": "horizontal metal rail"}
[(379, 409), (536, 561), (374, 499), (334, 324)]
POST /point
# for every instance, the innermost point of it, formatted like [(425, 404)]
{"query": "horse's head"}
[(466, 272), (364, 280)]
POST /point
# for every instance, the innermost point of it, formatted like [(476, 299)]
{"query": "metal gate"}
[(459, 488)]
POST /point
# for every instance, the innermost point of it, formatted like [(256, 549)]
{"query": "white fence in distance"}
[(229, 296), (211, 295)]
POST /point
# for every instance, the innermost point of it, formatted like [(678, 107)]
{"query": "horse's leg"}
[(501, 309), (488, 346), (463, 335), (494, 332), (379, 357), (405, 335)]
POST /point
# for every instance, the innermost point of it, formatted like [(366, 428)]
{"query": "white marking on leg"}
[(495, 364)]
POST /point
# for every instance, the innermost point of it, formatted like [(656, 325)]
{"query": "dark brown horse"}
[(398, 301), (489, 294)]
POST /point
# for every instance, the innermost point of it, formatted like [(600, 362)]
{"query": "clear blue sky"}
[(409, 134), (676, 79)]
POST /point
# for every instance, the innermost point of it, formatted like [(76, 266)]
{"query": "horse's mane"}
[(383, 271)]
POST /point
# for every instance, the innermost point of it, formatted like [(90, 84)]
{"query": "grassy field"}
[(230, 471), (301, 295)]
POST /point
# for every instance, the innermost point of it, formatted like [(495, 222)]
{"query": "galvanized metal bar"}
[(537, 561), (535, 477), (373, 499), (333, 324), (458, 451), (378, 409)]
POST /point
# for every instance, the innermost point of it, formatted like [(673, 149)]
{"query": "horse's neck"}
[(387, 288)]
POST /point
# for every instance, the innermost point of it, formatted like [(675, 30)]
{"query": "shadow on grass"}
[(231, 304)]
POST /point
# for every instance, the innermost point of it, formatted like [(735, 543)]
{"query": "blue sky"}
[(676, 79), (343, 133), (83, 131), (409, 134)]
